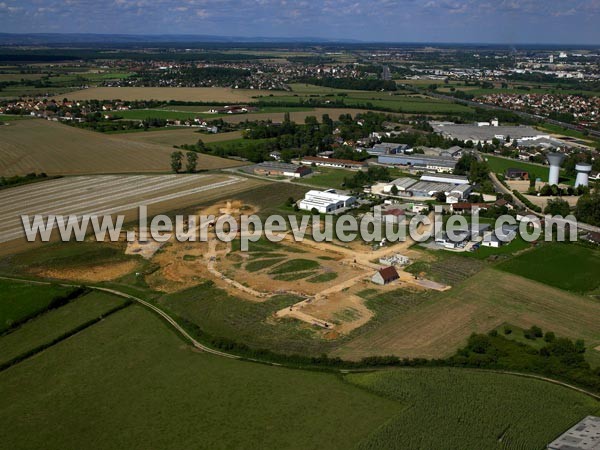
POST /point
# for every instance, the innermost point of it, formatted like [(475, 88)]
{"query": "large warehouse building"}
[(484, 132), (456, 188), (325, 201), (424, 162)]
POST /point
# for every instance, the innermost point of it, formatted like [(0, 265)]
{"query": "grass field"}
[(55, 323), (191, 112), (452, 408), (500, 165), (178, 136), (328, 178), (516, 245), (395, 102), (435, 325), (565, 266), (221, 315), (42, 146), (198, 94), (145, 389), (22, 300)]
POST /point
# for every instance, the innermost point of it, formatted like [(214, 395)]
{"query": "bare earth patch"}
[(93, 274)]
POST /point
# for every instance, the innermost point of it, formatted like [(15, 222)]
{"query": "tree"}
[(176, 161), (557, 207), (201, 146), (192, 161), (588, 208), (394, 190), (440, 196)]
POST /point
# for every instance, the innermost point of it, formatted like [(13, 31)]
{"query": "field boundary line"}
[(66, 335), (148, 305)]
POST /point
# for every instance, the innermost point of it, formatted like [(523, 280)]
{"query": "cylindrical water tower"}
[(555, 160), (583, 172)]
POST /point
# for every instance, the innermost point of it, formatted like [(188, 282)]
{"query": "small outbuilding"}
[(385, 275)]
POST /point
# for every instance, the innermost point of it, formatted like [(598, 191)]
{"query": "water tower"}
[(555, 160), (583, 172)]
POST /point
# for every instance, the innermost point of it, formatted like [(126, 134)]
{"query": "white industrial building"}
[(456, 188), (445, 178), (325, 201), (486, 132)]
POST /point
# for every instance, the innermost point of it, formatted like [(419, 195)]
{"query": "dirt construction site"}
[(326, 276)]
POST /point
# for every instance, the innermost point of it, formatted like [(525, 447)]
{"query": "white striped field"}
[(109, 194)]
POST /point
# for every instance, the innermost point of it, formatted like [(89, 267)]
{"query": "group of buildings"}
[(454, 187)]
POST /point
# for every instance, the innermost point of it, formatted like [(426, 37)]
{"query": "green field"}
[(219, 315), (55, 84), (566, 266), (55, 323), (22, 300), (500, 165), (295, 265), (66, 255), (516, 245), (392, 101), (255, 266), (322, 278), (191, 112), (129, 382), (461, 409), (144, 388), (328, 178)]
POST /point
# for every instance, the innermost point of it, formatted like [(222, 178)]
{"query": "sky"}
[(486, 21)]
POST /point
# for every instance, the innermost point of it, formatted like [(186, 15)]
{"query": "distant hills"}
[(90, 38)]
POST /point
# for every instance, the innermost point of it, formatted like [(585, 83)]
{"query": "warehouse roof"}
[(470, 132), (583, 436)]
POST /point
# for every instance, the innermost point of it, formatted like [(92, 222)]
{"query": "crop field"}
[(179, 136), (191, 112), (55, 323), (437, 324), (295, 116), (394, 102), (43, 146), (23, 300), (458, 408), (193, 94), (512, 88), (566, 266), (107, 194), (131, 368)]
